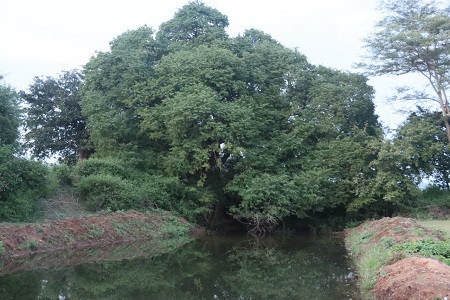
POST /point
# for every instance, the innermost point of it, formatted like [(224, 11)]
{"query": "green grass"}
[(29, 245), (441, 225), (371, 259), (2, 248)]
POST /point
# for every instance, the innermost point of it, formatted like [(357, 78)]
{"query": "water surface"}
[(216, 267)]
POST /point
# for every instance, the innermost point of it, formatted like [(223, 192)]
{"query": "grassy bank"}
[(377, 244), (441, 225)]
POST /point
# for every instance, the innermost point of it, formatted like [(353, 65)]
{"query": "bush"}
[(435, 196), (62, 174), (169, 193), (22, 184), (103, 191), (106, 166), (109, 183)]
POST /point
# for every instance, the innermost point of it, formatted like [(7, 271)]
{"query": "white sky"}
[(44, 37)]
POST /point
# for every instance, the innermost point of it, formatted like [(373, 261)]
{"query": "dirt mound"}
[(402, 278), (402, 230), (73, 233), (413, 278)]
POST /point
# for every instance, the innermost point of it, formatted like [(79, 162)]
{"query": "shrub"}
[(433, 195), (109, 183), (107, 166), (171, 194), (436, 249), (109, 192), (62, 174), (22, 184)]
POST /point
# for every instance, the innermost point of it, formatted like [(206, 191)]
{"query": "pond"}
[(215, 267)]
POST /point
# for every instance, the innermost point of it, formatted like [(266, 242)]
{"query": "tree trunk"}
[(447, 127), (83, 154), (443, 102)]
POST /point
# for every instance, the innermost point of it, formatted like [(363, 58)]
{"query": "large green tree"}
[(414, 37), (22, 182), (218, 127), (309, 151), (253, 122), (54, 124), (113, 122)]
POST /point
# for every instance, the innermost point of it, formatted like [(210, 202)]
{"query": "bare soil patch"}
[(413, 278)]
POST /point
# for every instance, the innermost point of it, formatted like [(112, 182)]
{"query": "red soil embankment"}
[(404, 277), (23, 240)]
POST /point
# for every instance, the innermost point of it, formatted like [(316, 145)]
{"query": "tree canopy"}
[(225, 129), (414, 37), (54, 123), (22, 182), (9, 116), (194, 22), (425, 149)]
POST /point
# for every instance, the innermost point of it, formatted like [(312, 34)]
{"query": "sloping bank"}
[(78, 233), (399, 259)]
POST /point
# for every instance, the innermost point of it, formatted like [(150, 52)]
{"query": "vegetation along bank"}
[(398, 259)]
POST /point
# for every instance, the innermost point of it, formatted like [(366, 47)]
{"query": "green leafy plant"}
[(173, 228), (430, 248), (30, 245)]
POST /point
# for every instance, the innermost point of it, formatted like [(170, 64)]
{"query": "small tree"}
[(414, 37), (425, 150)]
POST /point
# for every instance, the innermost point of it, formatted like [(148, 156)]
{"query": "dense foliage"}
[(54, 122), (222, 129), (424, 146), (22, 182), (236, 126), (9, 116)]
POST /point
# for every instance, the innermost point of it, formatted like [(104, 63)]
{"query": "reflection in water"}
[(211, 268)]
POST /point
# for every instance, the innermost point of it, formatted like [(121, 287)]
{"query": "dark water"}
[(232, 267)]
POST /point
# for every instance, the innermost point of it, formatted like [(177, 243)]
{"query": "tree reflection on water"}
[(216, 267)]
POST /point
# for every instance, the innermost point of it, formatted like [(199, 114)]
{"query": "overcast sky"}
[(44, 37)]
